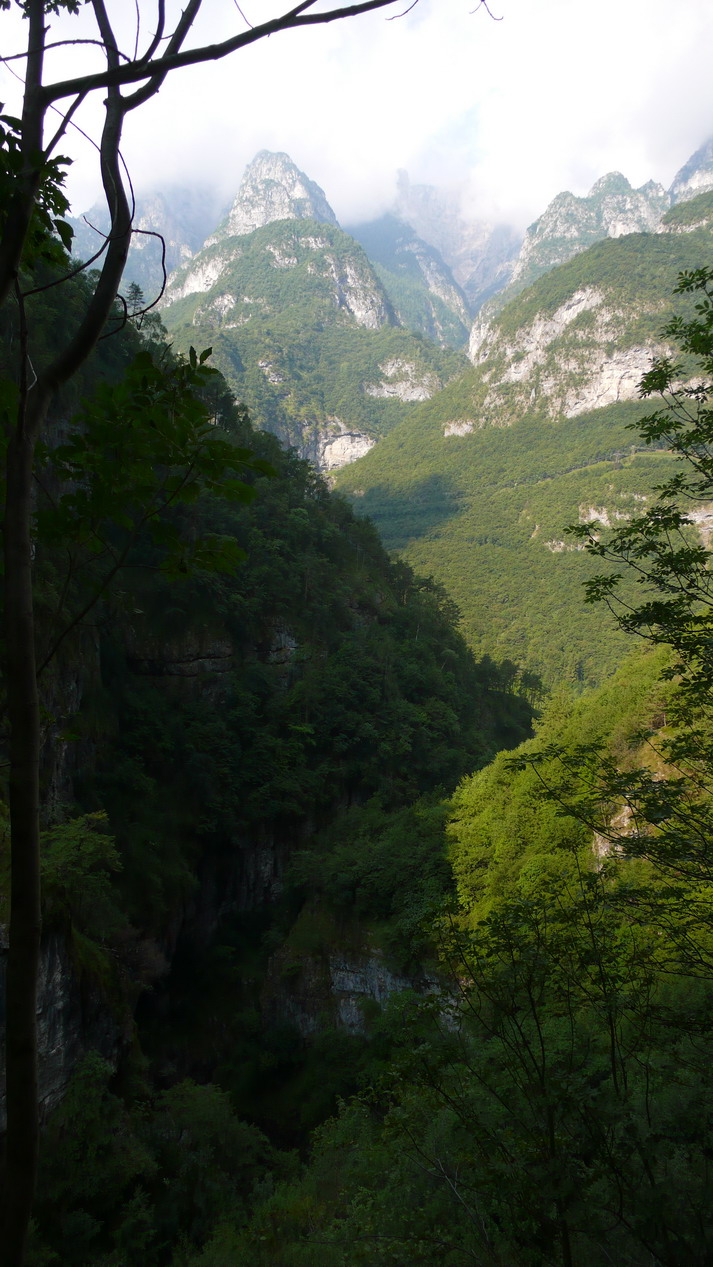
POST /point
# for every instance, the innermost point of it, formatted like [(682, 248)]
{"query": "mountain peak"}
[(611, 184), (274, 188), (696, 176)]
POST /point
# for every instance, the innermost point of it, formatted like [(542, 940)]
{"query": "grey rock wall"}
[(73, 1017)]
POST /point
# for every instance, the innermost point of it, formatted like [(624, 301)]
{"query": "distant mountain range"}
[(349, 347), (427, 237), (182, 215)]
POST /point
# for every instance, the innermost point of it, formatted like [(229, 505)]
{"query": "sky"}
[(511, 104)]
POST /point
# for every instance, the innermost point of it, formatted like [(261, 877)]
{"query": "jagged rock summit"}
[(273, 188), (696, 176), (571, 224)]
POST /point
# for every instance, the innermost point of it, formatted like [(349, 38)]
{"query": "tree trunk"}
[(25, 919)]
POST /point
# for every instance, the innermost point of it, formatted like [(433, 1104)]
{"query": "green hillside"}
[(485, 511)]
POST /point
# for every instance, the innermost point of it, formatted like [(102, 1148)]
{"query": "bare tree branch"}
[(133, 73), (21, 57), (160, 27)]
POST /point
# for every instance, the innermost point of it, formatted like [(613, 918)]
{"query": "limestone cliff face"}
[(354, 291), (329, 444), (273, 188), (402, 380), (201, 275), (611, 209), (340, 987), (73, 1017), (562, 363)]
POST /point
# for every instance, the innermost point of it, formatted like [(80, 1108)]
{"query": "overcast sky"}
[(551, 97)]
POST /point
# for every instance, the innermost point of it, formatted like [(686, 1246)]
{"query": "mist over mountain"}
[(176, 219), (479, 253), (422, 288), (696, 175)]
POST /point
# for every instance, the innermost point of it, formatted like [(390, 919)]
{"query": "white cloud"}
[(551, 97)]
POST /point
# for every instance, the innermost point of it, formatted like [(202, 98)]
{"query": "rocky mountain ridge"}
[(303, 326), (611, 209)]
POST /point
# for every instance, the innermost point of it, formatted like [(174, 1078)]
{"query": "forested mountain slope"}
[(478, 487), (556, 1085), (203, 724), (302, 326), (303, 330)]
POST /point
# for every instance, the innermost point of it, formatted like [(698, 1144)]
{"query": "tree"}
[(671, 818), (32, 230), (660, 547), (661, 811)]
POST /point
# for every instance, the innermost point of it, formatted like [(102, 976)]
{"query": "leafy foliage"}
[(79, 859), (49, 236), (670, 565), (552, 1104), (359, 862), (140, 448), (546, 1107), (122, 1181)]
